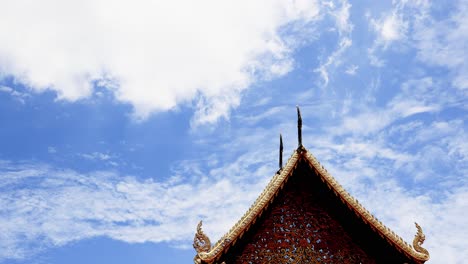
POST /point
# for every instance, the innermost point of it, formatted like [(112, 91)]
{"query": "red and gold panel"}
[(297, 228)]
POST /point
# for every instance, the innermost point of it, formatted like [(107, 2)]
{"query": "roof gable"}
[(298, 227), (210, 254)]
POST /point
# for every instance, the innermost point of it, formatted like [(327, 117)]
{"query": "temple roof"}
[(209, 254)]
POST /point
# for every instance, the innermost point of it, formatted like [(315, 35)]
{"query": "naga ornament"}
[(419, 240), (201, 242)]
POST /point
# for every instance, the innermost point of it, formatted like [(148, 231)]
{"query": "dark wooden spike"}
[(281, 153), (299, 127)]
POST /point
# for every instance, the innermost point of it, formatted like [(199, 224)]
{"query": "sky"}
[(124, 123)]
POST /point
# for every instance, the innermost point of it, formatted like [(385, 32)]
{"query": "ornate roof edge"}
[(250, 217), (211, 254), (418, 253)]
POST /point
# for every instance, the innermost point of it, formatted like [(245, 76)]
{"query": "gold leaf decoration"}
[(419, 240)]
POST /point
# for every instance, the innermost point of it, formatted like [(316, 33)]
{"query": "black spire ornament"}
[(281, 153), (299, 128)]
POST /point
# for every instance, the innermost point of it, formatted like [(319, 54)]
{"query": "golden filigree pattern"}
[(300, 256)]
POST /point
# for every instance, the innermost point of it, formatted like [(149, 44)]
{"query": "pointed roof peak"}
[(211, 254)]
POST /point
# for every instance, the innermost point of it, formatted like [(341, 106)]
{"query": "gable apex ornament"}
[(280, 154), (299, 129)]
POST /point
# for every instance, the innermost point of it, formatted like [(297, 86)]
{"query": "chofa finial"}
[(419, 240), (201, 242), (299, 128), (281, 153)]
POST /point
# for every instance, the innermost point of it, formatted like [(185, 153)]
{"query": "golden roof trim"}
[(416, 252), (251, 215), (211, 254)]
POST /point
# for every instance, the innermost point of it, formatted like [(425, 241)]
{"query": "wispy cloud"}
[(352, 69), (43, 207), (96, 156), (20, 96), (101, 157), (440, 219), (51, 150), (401, 183), (394, 28), (398, 144), (340, 12), (437, 41), (441, 42), (46, 207), (390, 28), (333, 60)]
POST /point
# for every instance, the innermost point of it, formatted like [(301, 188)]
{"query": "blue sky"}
[(124, 123)]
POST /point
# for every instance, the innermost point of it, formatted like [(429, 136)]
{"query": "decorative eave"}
[(208, 254), (415, 252), (250, 217)]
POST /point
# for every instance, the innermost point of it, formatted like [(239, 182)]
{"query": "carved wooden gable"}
[(305, 216)]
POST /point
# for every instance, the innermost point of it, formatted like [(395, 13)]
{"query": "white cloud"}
[(438, 40), (394, 27), (51, 150), (6, 89), (43, 207), (390, 28), (333, 60), (96, 156), (265, 114), (344, 27), (442, 42), (417, 96), (352, 69), (153, 55), (54, 207), (440, 219), (14, 93), (101, 158), (401, 184), (341, 16)]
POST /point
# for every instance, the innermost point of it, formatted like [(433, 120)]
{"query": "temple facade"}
[(305, 216)]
